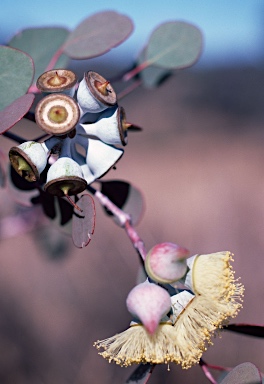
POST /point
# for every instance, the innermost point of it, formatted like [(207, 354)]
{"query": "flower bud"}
[(166, 263), (149, 303)]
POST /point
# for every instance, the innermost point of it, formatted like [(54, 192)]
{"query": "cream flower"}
[(194, 319)]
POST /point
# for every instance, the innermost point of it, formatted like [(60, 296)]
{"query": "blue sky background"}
[(233, 29)]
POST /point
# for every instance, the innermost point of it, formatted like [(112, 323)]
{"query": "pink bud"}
[(166, 262), (149, 303)]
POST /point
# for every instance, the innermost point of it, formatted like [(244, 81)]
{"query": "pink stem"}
[(125, 221), (135, 71), (208, 373), (129, 89), (219, 368), (54, 59)]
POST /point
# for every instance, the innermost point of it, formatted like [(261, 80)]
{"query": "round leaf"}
[(16, 73), (83, 222), (98, 34), (14, 112), (41, 44), (174, 45), (152, 76), (245, 373)]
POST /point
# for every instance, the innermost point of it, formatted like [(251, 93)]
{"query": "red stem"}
[(73, 203)]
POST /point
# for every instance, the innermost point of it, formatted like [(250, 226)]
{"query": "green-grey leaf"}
[(151, 76), (41, 44), (98, 34), (175, 44), (16, 74)]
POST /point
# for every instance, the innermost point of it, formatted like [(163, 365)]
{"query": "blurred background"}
[(199, 164)]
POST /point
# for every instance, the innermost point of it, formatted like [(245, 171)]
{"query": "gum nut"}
[(95, 93), (81, 160), (32, 153), (64, 167), (149, 303), (57, 80), (57, 114), (166, 263), (179, 302), (65, 178), (110, 127), (101, 157)]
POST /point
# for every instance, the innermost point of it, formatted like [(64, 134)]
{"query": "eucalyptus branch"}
[(124, 220)]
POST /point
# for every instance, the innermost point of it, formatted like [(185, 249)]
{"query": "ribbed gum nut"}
[(95, 93), (57, 80), (149, 303), (57, 114), (110, 127), (29, 159), (166, 263), (65, 178), (100, 157)]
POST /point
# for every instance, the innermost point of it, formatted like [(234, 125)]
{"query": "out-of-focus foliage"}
[(247, 329), (152, 76), (14, 112), (16, 73), (97, 34), (245, 373), (41, 44), (126, 197), (174, 45)]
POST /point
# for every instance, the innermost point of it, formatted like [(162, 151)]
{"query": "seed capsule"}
[(65, 178), (57, 114), (29, 159), (95, 93), (111, 127), (57, 80)]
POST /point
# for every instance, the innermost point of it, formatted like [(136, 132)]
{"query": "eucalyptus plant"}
[(185, 300)]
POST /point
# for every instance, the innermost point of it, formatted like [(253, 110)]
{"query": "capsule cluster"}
[(86, 128)]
